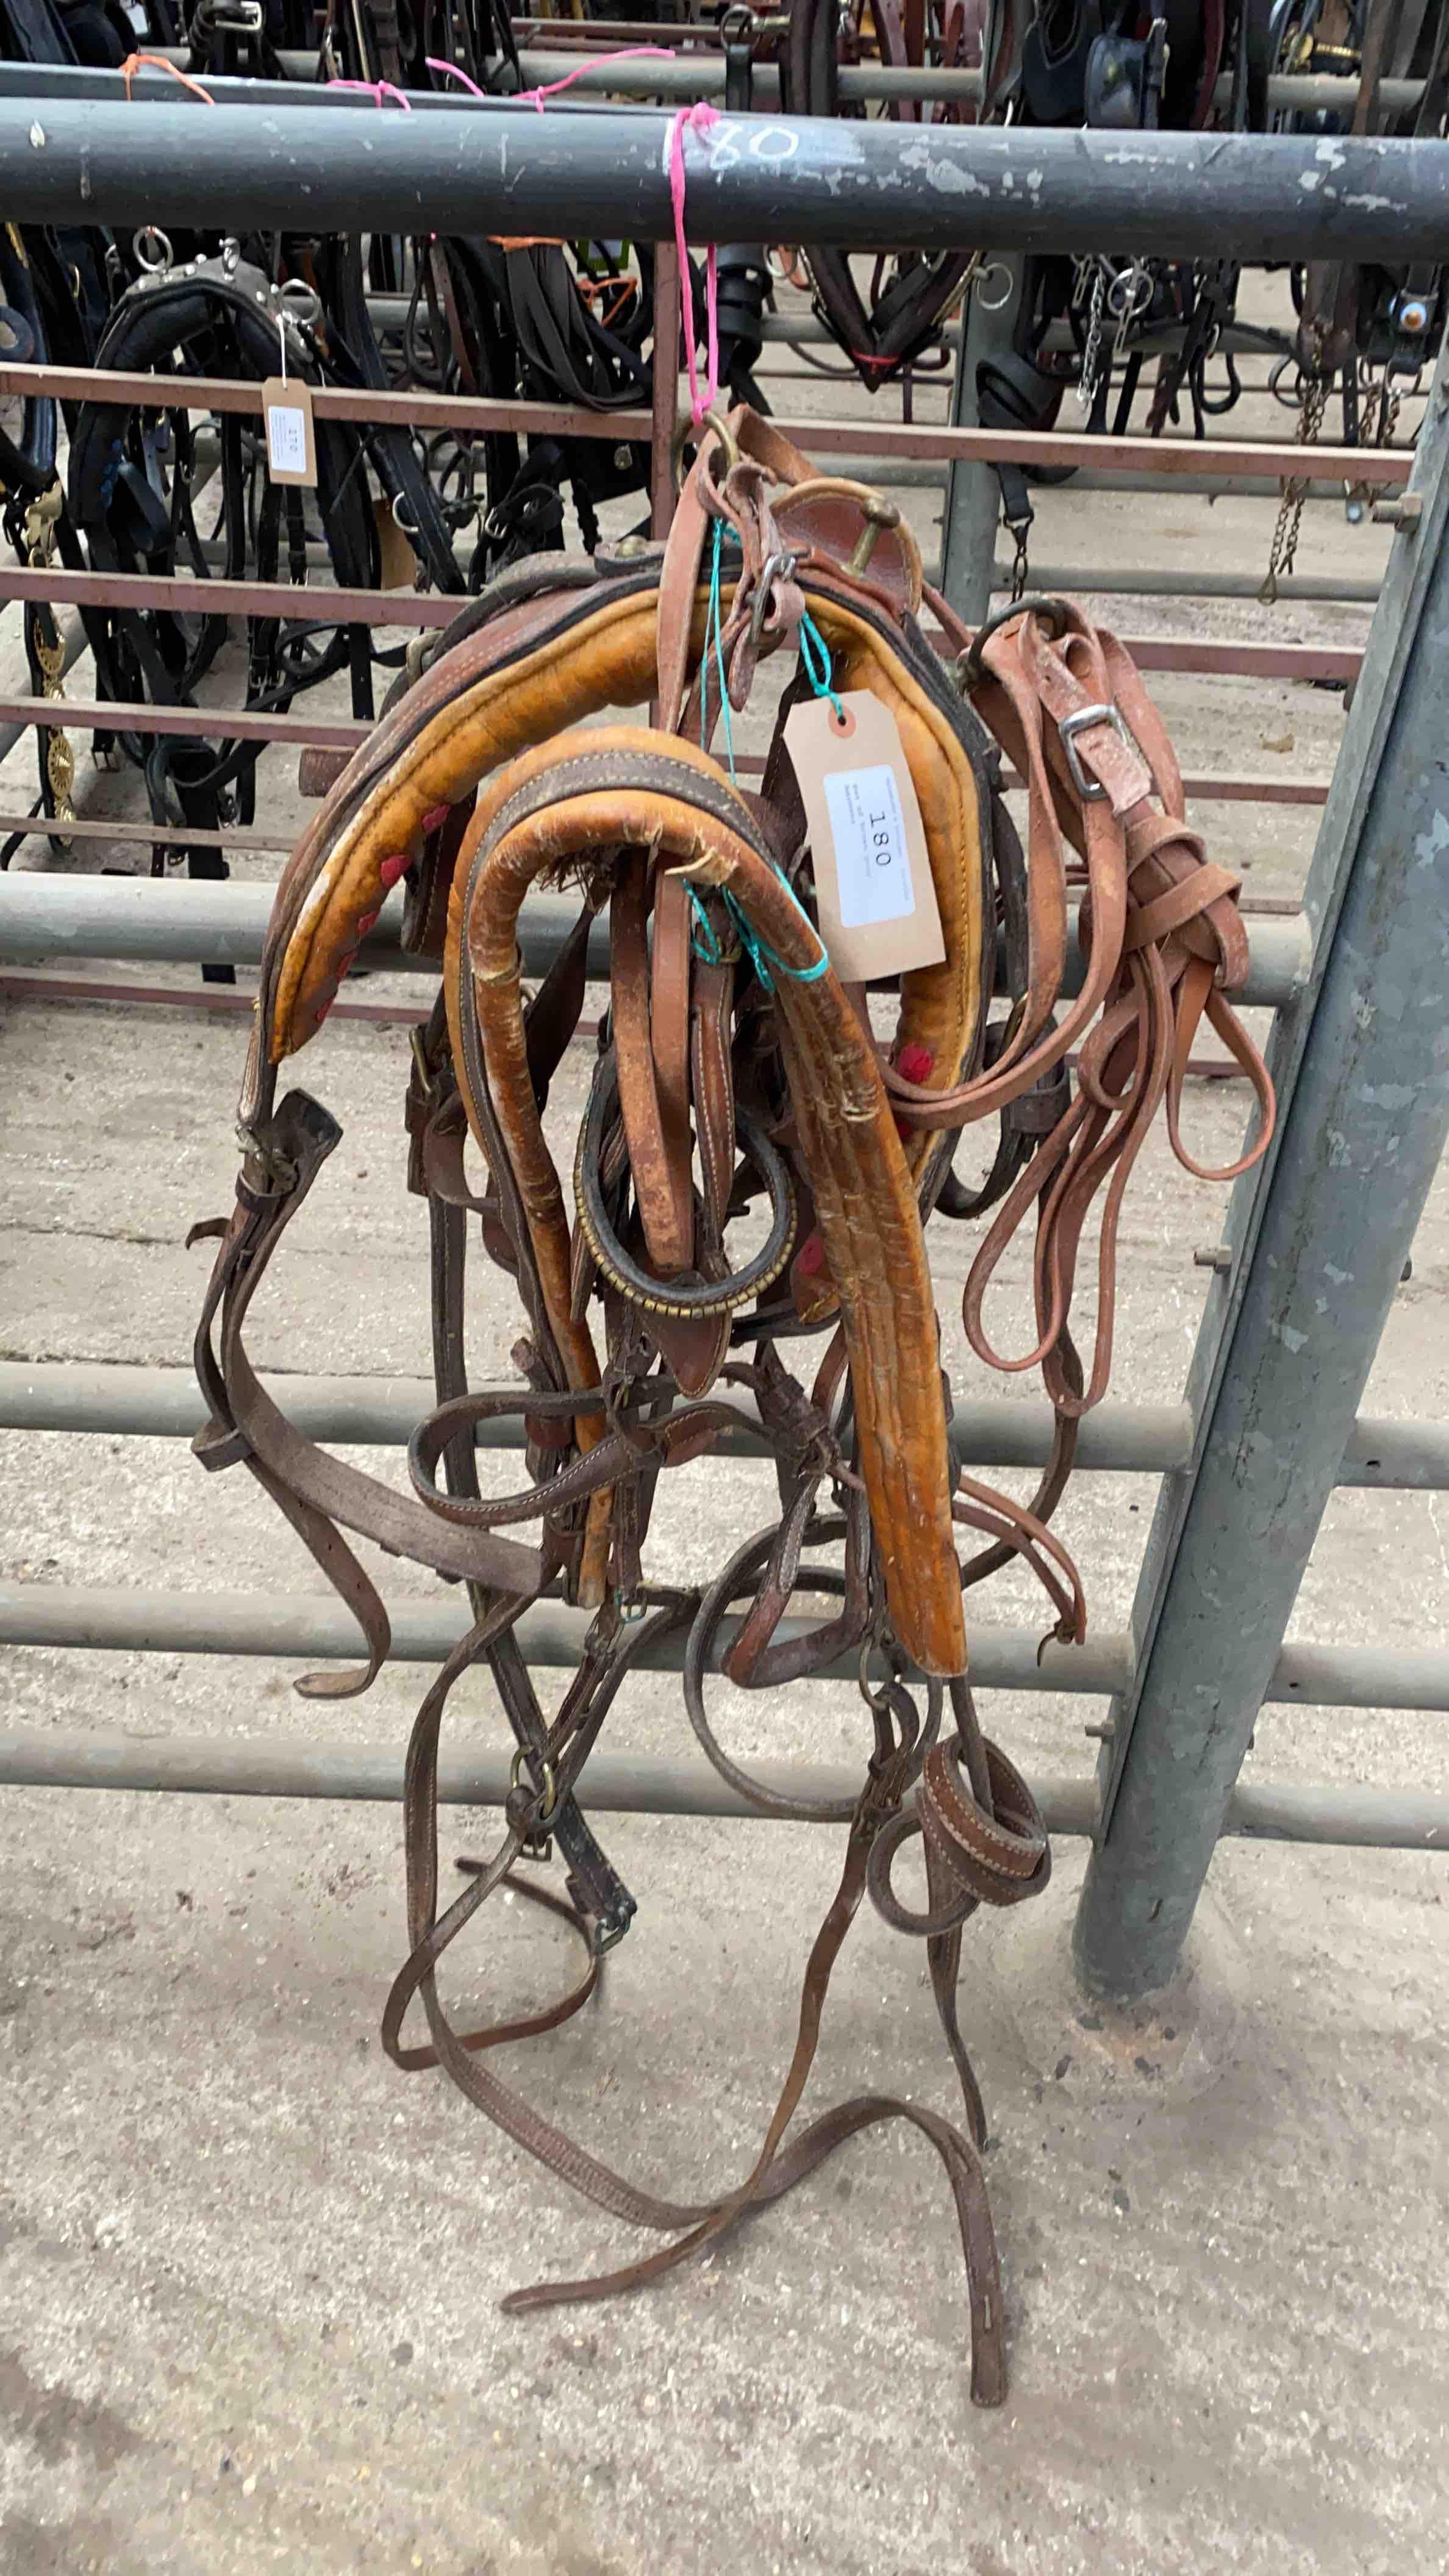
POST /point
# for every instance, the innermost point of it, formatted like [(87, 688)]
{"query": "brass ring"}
[(686, 431), (1033, 603)]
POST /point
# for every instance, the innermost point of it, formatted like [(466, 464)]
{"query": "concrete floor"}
[(250, 2296)]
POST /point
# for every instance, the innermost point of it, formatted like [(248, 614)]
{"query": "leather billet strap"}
[(1164, 944)]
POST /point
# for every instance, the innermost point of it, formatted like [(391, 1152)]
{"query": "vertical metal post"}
[(973, 495), (1318, 1240)]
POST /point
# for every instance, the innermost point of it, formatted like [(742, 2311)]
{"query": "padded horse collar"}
[(733, 1065)]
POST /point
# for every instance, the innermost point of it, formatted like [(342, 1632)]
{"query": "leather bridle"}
[(732, 1066)]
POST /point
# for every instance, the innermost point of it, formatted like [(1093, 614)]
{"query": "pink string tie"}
[(699, 119), (536, 97)]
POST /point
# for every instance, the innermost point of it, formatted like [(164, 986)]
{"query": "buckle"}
[(1090, 790), (609, 1929)]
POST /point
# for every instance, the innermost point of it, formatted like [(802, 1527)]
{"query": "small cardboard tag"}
[(291, 437), (398, 561), (873, 887)]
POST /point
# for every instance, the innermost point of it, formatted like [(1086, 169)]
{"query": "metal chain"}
[(1092, 352), (40, 523), (1122, 293), (1284, 548)]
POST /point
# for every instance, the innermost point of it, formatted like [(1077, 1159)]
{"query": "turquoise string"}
[(714, 636), (815, 656), (702, 939)]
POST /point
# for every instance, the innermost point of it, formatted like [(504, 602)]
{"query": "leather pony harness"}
[(735, 1073)]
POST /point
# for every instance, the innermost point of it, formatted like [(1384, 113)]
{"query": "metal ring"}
[(998, 303), (302, 302), (1032, 603), (408, 527), (141, 250), (686, 431), (550, 1785), (711, 1297)]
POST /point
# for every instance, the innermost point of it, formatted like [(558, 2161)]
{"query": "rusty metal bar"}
[(234, 724), (892, 441), (42, 827), (339, 733), (187, 593)]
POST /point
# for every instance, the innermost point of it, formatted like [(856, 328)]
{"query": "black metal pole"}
[(484, 169)]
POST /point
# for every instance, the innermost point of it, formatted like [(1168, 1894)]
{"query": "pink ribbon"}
[(536, 97), (699, 118), (378, 91)]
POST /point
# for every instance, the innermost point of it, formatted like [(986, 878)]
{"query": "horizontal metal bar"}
[(1321, 92), (615, 1784), (217, 1001), (236, 724), (90, 827), (124, 1619), (1103, 581), (1231, 660), (77, 1396), (143, 919), (95, 161), (184, 594), (633, 1784), (82, 1396), (409, 410), (889, 443)]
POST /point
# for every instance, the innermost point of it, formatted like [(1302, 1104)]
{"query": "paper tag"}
[(291, 438), (398, 562), (873, 886)]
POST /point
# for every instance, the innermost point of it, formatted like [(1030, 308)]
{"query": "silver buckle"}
[(1090, 790)]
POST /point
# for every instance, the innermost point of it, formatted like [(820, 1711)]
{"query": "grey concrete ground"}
[(251, 2279)]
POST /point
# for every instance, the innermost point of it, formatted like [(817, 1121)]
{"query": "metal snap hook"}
[(780, 567)]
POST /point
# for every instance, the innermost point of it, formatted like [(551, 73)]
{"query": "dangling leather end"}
[(988, 2341), (348, 1685)]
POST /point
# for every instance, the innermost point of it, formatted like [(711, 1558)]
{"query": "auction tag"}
[(399, 563), (873, 887), (291, 438)]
